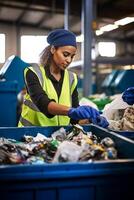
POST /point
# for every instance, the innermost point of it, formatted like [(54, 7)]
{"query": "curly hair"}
[(46, 56)]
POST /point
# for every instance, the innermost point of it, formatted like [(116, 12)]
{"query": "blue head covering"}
[(61, 37)]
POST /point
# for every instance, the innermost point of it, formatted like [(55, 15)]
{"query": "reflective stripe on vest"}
[(24, 122), (31, 105), (36, 69), (31, 114)]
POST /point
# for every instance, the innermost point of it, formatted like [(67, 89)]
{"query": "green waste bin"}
[(101, 102)]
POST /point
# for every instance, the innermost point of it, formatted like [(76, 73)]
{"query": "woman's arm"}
[(57, 109)]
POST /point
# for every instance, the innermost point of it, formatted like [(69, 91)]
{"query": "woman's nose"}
[(68, 60)]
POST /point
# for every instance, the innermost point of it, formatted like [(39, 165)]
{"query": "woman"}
[(52, 97)]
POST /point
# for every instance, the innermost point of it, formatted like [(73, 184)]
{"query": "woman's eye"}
[(72, 57), (65, 54)]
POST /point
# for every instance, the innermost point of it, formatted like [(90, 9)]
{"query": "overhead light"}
[(99, 32), (124, 21), (116, 24), (80, 38), (109, 27)]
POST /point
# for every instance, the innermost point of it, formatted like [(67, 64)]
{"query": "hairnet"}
[(61, 37)]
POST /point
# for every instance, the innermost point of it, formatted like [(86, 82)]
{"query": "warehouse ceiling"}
[(49, 14)]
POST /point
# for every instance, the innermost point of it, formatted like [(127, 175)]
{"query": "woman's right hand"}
[(87, 112)]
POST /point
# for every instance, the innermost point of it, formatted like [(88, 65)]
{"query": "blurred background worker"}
[(52, 97)]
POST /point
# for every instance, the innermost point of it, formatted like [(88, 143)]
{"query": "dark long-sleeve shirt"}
[(39, 96)]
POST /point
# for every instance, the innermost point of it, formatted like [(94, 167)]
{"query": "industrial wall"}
[(11, 42), (13, 34)]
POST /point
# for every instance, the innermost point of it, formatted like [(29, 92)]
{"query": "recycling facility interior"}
[(70, 162), (104, 30)]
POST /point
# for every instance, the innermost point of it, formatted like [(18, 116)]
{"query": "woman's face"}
[(63, 56)]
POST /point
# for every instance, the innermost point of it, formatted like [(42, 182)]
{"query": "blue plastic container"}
[(128, 134), (8, 103), (98, 180), (123, 81), (13, 70), (107, 83)]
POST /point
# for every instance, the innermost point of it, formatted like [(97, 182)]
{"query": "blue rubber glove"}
[(84, 112), (128, 96), (87, 112), (101, 121)]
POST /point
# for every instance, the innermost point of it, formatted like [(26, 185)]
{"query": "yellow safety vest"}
[(31, 116)]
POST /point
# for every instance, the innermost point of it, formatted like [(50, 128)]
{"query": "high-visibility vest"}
[(31, 116)]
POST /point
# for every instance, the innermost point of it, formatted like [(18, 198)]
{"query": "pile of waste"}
[(74, 145), (119, 114), (125, 121)]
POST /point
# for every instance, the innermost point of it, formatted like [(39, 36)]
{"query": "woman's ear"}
[(52, 50)]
